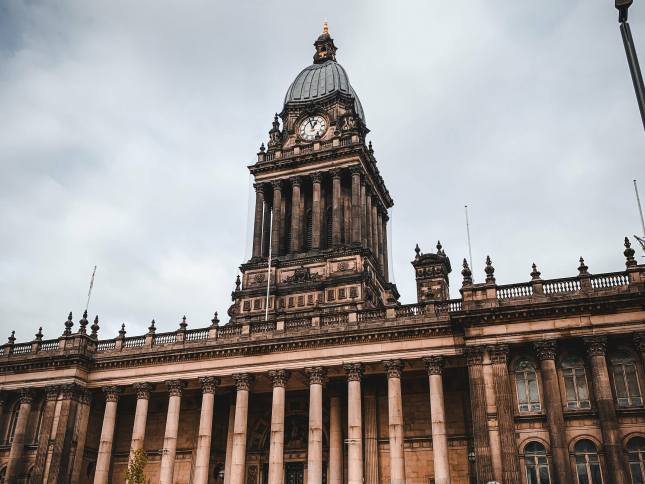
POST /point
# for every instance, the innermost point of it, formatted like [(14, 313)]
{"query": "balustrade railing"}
[(297, 323), (49, 345), (165, 338), (334, 319), (229, 331), (134, 342), (609, 280), (561, 286), (196, 334), (370, 314), (106, 345), (511, 291), (22, 348), (263, 327), (410, 310)]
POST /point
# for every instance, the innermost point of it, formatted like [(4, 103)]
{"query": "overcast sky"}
[(126, 129)]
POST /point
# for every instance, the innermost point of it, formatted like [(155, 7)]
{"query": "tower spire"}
[(325, 48)]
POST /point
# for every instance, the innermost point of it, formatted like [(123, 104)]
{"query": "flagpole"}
[(89, 293)]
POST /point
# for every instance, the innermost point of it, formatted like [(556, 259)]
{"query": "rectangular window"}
[(301, 301), (330, 295), (341, 293)]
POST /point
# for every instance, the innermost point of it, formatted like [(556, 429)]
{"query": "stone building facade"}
[(320, 375)]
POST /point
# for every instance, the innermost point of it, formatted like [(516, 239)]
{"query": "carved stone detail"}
[(243, 381), (545, 350), (354, 371), (26, 395), (279, 377), (209, 383), (317, 375), (434, 364), (499, 354), (474, 356), (112, 393), (175, 387), (51, 392), (393, 368), (143, 390), (596, 345)]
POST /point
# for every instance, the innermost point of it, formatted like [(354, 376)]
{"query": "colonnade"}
[(320, 210)]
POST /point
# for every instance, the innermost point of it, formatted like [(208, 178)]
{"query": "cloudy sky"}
[(126, 129)]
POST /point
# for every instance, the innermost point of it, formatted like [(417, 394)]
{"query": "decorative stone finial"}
[(325, 27), (467, 274), (12, 338), (39, 334), (238, 283), (262, 148), (122, 332), (95, 327), (582, 268), (535, 274), (183, 325), (152, 328), (68, 325), (440, 250), (370, 148), (489, 270), (82, 324), (629, 254), (418, 251), (215, 321)]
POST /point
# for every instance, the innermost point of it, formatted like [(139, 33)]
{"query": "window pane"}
[(521, 389), (544, 475), (582, 474), (637, 477), (596, 477), (531, 475), (619, 381), (533, 389), (569, 387), (583, 392), (632, 381)]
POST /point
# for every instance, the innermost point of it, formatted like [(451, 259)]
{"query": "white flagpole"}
[(89, 293)]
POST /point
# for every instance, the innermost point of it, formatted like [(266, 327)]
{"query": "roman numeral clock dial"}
[(312, 127)]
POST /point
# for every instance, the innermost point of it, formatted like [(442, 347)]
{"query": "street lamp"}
[(632, 59)]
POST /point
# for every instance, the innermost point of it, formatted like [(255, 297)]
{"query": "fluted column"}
[(316, 211), (363, 213), (596, 352), (102, 472), (62, 441), (279, 380), (15, 464), (51, 396), (140, 416), (395, 421), (335, 474), (238, 464), (483, 461), (203, 452), (296, 215), (370, 436), (356, 205), (175, 390), (379, 231), (386, 257), (354, 424), (368, 220), (546, 353), (336, 207), (504, 400), (257, 228), (434, 366), (80, 433), (228, 462), (277, 218), (317, 377), (491, 413), (266, 228), (375, 240)]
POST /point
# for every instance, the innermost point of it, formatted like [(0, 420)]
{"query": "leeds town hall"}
[(319, 375)]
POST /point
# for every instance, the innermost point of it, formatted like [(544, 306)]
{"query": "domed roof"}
[(319, 81)]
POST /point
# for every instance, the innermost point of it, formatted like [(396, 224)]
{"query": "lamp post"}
[(632, 59)]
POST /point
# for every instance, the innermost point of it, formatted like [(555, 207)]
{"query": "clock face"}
[(312, 127)]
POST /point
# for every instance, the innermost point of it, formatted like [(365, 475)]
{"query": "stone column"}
[(277, 220), (51, 397), (316, 211), (356, 205), (386, 258), (379, 231), (504, 400), (483, 460), (15, 465), (238, 462), (596, 352), (102, 472), (62, 442), (229, 442), (336, 207), (335, 474), (368, 220), (354, 424), (315, 444), (140, 416), (491, 413), (276, 445), (257, 228), (203, 452), (370, 435), (296, 215), (375, 241), (363, 210), (266, 229), (175, 390), (395, 421), (434, 366), (80, 433), (546, 353)]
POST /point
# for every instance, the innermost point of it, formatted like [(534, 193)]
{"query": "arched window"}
[(628, 392), (575, 383), (528, 396), (636, 457), (537, 465), (587, 463)]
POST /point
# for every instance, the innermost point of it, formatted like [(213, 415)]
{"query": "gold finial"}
[(325, 27)]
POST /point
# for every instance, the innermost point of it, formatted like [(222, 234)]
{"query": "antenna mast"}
[(470, 251), (89, 293)]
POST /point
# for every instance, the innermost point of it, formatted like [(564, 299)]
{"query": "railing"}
[(22, 349), (196, 334), (334, 319), (612, 279), (410, 310), (229, 330), (511, 291), (345, 141), (370, 314), (49, 345), (561, 286), (454, 305), (134, 342), (165, 338), (106, 345), (263, 327), (269, 157), (297, 323)]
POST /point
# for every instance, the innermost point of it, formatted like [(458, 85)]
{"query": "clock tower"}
[(321, 206)]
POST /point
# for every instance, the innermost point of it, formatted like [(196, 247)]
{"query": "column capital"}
[(317, 375), (259, 188), (354, 371), (112, 393), (84, 396), (51, 392), (70, 390), (499, 354), (474, 355), (356, 170), (296, 181), (316, 177), (277, 184), (175, 387), (545, 350), (434, 364), (26, 395), (596, 345), (243, 381), (143, 390), (393, 368), (335, 172), (209, 383), (279, 377), (639, 341)]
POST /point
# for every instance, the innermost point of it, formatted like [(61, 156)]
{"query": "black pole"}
[(632, 59)]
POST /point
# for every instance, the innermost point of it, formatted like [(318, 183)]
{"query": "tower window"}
[(575, 383), (528, 397)]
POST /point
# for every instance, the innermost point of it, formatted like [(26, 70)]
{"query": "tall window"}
[(11, 429), (528, 396), (636, 457), (628, 392), (328, 226), (537, 465), (308, 230), (575, 383), (587, 463)]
